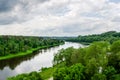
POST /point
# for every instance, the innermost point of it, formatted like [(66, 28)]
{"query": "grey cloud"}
[(92, 14), (7, 7), (85, 28), (7, 21), (73, 28), (51, 17), (10, 19), (59, 10), (116, 19), (41, 1)]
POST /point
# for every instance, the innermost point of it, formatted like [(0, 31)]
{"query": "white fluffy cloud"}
[(59, 18)]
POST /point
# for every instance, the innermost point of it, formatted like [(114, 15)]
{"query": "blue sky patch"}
[(115, 1)]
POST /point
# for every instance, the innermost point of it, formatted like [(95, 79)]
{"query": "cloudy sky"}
[(58, 17)]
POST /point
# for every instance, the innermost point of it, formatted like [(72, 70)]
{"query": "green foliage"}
[(60, 73), (47, 73), (64, 55), (115, 48), (99, 76), (30, 76), (16, 44), (78, 56), (115, 77), (114, 57), (96, 53), (109, 72), (110, 36), (42, 75), (74, 72), (44, 68), (101, 61), (98, 61), (91, 68)]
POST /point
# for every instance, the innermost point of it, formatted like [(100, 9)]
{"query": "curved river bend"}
[(33, 62)]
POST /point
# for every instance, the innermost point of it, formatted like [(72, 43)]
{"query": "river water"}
[(32, 62)]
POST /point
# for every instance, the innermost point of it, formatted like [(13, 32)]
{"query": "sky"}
[(58, 17)]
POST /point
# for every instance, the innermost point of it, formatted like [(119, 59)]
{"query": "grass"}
[(18, 54), (47, 73), (25, 53)]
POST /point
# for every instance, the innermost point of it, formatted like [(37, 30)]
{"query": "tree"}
[(74, 72), (115, 47), (114, 57), (64, 55), (99, 76), (109, 72)]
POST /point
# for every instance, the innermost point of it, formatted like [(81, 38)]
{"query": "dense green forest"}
[(110, 36), (16, 44), (99, 61)]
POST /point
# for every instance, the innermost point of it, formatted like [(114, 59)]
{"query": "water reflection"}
[(32, 62), (12, 63)]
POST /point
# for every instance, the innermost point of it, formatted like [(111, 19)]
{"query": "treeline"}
[(99, 61), (44, 74), (15, 44), (110, 36), (31, 76)]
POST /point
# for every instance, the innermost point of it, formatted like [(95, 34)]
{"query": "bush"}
[(33, 75), (74, 72)]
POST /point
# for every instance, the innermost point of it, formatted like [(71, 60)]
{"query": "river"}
[(32, 62)]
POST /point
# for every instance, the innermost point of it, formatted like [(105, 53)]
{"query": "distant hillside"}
[(110, 36)]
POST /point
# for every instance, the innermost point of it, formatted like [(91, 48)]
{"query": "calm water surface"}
[(33, 62)]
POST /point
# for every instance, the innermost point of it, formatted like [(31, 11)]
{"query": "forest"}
[(98, 61), (12, 45), (109, 36)]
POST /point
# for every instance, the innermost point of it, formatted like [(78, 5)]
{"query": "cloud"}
[(58, 18), (17, 10), (115, 1), (7, 5)]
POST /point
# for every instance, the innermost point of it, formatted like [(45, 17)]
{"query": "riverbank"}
[(32, 62), (46, 74), (27, 52)]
